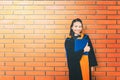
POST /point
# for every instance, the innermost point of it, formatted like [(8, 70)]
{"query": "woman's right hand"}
[(87, 48)]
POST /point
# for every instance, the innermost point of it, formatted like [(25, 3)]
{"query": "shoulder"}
[(86, 36), (68, 37)]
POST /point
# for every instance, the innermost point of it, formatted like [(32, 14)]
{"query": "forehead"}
[(77, 23)]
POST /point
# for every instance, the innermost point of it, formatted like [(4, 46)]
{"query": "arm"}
[(92, 57)]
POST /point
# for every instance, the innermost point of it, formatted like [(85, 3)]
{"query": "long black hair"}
[(75, 20)]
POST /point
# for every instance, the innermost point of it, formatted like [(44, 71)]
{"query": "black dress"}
[(74, 51)]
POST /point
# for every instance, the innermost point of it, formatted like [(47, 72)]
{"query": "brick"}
[(1, 54), (85, 12), (75, 7), (106, 31), (35, 55), (64, 12), (54, 45), (99, 55), (13, 7), (105, 69), (59, 50), (85, 2), (23, 2), (44, 2), (23, 22), (6, 77), (34, 45), (114, 7), (56, 36), (99, 74), (55, 55), (64, 2), (34, 7), (24, 77), (44, 59), (106, 59), (34, 17), (14, 45), (6, 2), (96, 7), (23, 50), (113, 73), (118, 59), (55, 73), (23, 12), (22, 41), (55, 26), (15, 73), (44, 50), (24, 68), (35, 73), (5, 68), (96, 17), (75, 16), (54, 7), (97, 36), (33, 26), (14, 36), (14, 55), (62, 21), (106, 21), (44, 21), (113, 36), (7, 12), (11, 26), (105, 50), (5, 31), (6, 59), (29, 64), (61, 78), (14, 64), (113, 55), (113, 46), (113, 27), (106, 78), (60, 59), (115, 64), (61, 31), (25, 59), (106, 12), (44, 77), (44, 12), (106, 2), (61, 69), (6, 41), (34, 36), (2, 73), (54, 17), (105, 41), (6, 50), (55, 64), (44, 68), (59, 41), (21, 31)]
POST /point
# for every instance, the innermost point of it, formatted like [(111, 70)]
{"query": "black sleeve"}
[(92, 57)]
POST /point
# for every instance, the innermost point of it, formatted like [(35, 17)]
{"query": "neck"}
[(76, 34)]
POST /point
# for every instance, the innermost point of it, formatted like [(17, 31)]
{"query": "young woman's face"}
[(77, 27)]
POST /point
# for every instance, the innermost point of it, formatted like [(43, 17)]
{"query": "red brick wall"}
[(32, 35)]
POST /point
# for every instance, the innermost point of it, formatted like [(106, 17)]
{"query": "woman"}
[(79, 52)]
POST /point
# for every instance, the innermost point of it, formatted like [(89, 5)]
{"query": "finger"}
[(87, 44)]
